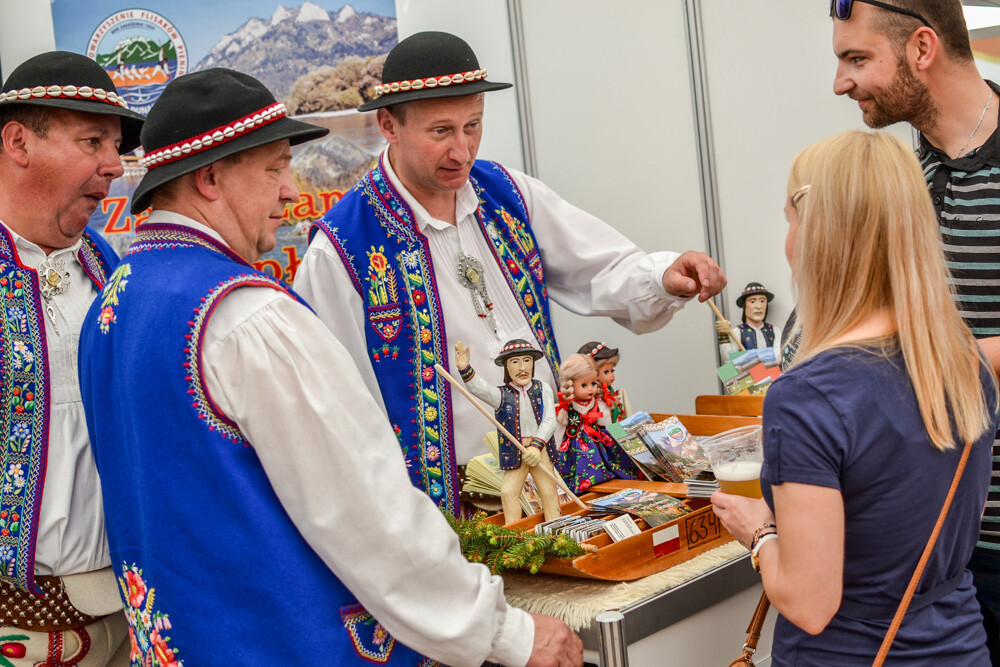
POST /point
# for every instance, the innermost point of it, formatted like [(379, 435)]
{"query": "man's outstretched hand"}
[(694, 274)]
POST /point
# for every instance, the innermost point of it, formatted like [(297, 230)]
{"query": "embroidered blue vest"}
[(389, 262), (25, 395), (509, 416), (212, 569), (749, 337)]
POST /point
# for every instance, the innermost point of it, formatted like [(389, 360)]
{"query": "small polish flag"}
[(666, 541)]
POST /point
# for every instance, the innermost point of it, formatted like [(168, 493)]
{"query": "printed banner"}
[(322, 59)]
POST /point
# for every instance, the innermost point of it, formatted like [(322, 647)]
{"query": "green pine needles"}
[(501, 548)]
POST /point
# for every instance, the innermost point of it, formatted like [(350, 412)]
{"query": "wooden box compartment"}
[(651, 551)]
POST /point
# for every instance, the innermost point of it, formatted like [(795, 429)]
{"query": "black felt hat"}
[(750, 290), (65, 80), (516, 348), (597, 350), (428, 65), (204, 116)]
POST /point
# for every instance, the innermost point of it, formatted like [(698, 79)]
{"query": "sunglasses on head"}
[(841, 9)]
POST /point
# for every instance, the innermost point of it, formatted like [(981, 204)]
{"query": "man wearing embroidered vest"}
[(251, 527), (434, 245), (912, 61), (526, 408), (62, 127)]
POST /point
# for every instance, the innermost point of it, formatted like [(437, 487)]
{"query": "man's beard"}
[(905, 99)]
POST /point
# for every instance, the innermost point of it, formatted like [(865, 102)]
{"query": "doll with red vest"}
[(586, 454)]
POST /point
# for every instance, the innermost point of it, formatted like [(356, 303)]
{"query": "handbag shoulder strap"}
[(922, 563)]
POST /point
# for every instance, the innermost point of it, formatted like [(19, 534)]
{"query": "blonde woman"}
[(862, 436)]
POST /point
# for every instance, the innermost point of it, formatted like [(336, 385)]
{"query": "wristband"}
[(754, 553), (537, 442), (765, 529), (467, 373)]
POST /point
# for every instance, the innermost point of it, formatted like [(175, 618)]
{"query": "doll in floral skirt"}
[(586, 455)]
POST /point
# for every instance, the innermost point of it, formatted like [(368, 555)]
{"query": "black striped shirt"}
[(966, 195)]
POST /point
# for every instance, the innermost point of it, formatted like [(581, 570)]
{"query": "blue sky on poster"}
[(201, 23)]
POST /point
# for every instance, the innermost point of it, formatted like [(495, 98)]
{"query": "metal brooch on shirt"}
[(53, 279), (470, 274)]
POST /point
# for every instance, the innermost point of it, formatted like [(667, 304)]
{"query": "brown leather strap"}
[(753, 632), (922, 563)]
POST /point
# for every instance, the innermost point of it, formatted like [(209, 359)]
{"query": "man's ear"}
[(923, 48), (388, 124), (206, 180), (14, 137)]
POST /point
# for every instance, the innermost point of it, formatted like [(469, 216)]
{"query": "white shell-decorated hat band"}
[(70, 92), (430, 82), (219, 135)]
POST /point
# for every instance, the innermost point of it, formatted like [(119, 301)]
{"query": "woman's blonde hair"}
[(868, 240), (573, 367)]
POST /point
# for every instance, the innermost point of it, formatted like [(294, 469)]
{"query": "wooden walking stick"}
[(500, 429), (718, 315)]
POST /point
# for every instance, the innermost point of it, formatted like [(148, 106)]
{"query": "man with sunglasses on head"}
[(911, 60)]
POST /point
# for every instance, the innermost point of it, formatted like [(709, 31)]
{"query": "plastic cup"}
[(736, 457)]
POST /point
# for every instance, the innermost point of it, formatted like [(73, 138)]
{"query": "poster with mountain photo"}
[(321, 58)]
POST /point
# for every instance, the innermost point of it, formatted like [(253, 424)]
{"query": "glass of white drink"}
[(736, 457)]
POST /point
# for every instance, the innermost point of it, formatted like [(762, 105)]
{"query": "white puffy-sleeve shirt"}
[(335, 465), (590, 269)]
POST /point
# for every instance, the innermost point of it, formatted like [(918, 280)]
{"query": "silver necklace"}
[(53, 280), (470, 275), (980, 122)]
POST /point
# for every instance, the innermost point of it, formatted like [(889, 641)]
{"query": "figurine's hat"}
[(750, 290), (64, 80), (598, 351), (516, 348), (430, 65), (205, 116)]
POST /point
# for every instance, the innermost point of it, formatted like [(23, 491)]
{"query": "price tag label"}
[(621, 528)]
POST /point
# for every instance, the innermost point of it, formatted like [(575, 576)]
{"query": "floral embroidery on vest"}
[(516, 254), (384, 310), (150, 646), (370, 638), (109, 296), (24, 420)]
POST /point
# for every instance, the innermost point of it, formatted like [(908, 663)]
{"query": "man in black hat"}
[(62, 128), (258, 489), (435, 245), (527, 409)]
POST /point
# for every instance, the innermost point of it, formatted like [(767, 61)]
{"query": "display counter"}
[(697, 617)]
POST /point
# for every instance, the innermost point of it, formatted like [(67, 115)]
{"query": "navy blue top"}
[(848, 419)]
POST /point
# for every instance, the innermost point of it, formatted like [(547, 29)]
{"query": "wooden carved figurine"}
[(526, 408), (754, 332)]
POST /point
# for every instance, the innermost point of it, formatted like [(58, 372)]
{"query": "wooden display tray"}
[(635, 557)]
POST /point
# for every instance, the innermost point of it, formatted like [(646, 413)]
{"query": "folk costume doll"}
[(586, 455), (614, 402), (754, 332), (525, 407)]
